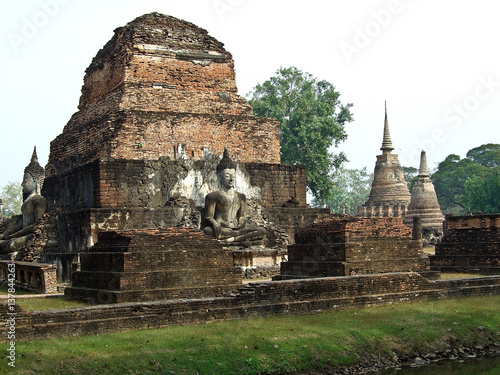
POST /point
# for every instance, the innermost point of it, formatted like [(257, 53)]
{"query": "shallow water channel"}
[(478, 366)]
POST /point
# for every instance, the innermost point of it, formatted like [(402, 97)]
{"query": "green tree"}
[(312, 120), (12, 194), (351, 188), (410, 174), (482, 193), (453, 174), (487, 155)]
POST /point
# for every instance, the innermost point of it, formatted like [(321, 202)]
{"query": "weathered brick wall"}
[(151, 135), (140, 49), (279, 183), (491, 223), (144, 265), (292, 219), (46, 236), (254, 300), (349, 228), (353, 246), (38, 277), (469, 244), (150, 183)]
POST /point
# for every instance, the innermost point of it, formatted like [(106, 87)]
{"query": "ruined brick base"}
[(347, 245), (37, 277), (470, 244), (258, 262), (151, 265), (254, 300)]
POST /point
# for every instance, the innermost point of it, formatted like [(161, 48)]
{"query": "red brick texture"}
[(469, 244), (353, 246), (158, 83), (145, 265)]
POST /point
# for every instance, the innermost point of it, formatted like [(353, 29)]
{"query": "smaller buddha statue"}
[(33, 207), (225, 210)]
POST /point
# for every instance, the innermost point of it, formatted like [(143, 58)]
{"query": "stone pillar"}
[(445, 223), (417, 228)]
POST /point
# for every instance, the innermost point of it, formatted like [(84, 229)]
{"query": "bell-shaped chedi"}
[(161, 85), (389, 195), (424, 203)]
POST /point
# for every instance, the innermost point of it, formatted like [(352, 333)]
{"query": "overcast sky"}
[(436, 63)]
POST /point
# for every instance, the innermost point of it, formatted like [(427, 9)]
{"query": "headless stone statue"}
[(225, 210), (33, 207)]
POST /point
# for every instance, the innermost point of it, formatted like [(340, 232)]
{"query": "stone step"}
[(119, 262), (315, 268), (471, 261), (187, 277), (161, 317), (120, 296)]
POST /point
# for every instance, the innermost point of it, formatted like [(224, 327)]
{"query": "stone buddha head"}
[(34, 175), (226, 170)]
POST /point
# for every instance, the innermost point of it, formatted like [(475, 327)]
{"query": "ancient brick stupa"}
[(162, 87), (424, 204), (389, 195), (159, 104)]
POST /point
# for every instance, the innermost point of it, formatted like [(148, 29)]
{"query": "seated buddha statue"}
[(225, 210), (33, 207)]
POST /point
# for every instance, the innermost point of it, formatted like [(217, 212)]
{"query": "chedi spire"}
[(387, 146), (423, 171), (389, 195)]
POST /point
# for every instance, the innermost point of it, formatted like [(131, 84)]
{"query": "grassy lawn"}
[(19, 292), (47, 303), (40, 303), (449, 276), (266, 345)]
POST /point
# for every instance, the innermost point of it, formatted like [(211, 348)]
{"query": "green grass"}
[(449, 276), (40, 303), (47, 303), (4, 291), (267, 345)]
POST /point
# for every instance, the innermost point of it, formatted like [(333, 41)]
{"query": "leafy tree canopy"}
[(11, 195), (351, 188), (469, 184), (312, 119), (410, 174), (486, 155), (482, 194)]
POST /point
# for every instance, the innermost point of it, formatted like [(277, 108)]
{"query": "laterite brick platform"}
[(151, 265), (347, 245), (271, 298), (470, 244)]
